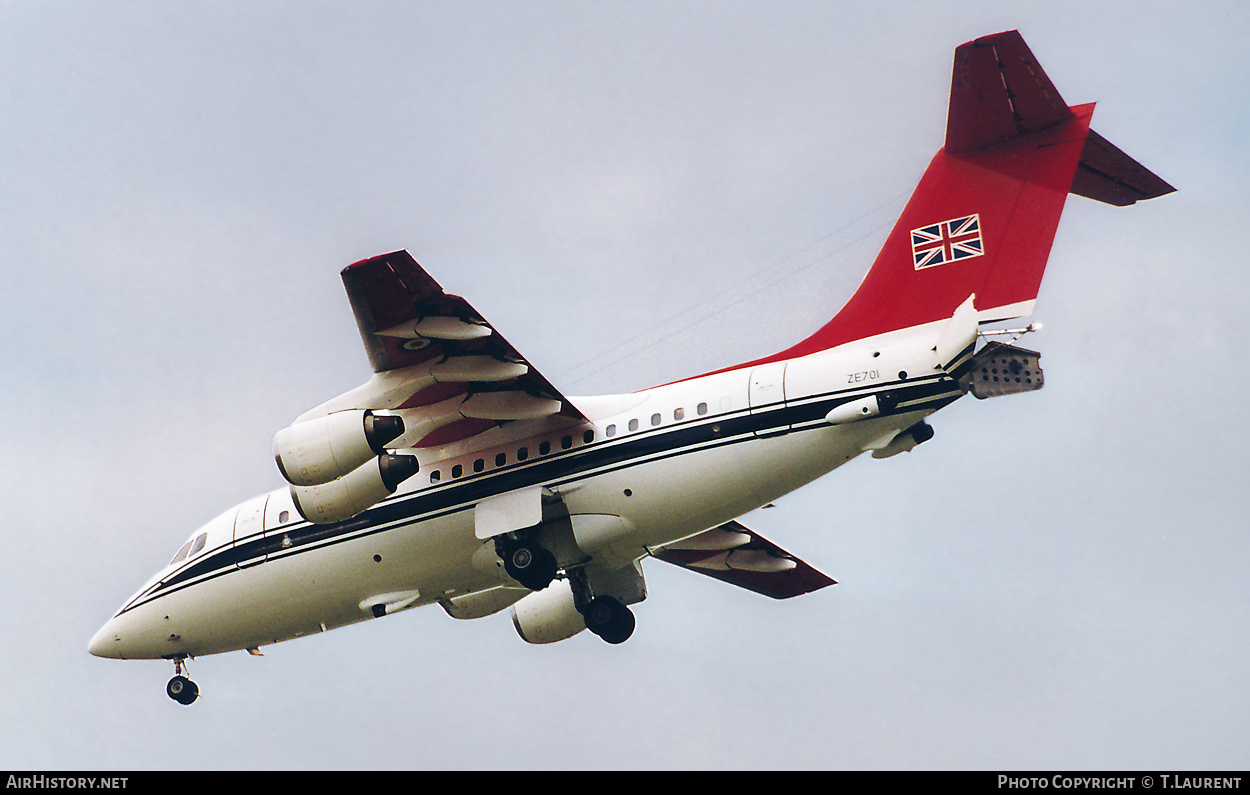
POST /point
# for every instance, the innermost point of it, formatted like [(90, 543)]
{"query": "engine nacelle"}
[(354, 492), (322, 449), (548, 615)]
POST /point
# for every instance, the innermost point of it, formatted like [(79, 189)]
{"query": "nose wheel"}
[(180, 688)]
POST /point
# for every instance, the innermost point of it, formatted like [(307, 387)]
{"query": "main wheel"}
[(622, 628), (182, 690), (609, 619), (530, 565)]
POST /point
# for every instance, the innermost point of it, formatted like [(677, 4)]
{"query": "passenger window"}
[(588, 437), (655, 419), (501, 459), (435, 476), (611, 430), (285, 516), (457, 471), (566, 442), (633, 425), (544, 448), (702, 409), (522, 454), (479, 465), (679, 414)]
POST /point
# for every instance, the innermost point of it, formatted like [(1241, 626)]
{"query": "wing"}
[(731, 553), (437, 362)]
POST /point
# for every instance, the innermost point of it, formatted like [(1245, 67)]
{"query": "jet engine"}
[(319, 450), (356, 491), (548, 615)]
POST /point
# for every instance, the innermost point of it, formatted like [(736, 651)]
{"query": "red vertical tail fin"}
[(983, 218)]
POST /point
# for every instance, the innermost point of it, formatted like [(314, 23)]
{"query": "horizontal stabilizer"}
[(731, 553), (999, 94), (1108, 175)]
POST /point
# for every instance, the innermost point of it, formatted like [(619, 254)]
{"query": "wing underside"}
[(437, 360), (734, 554)]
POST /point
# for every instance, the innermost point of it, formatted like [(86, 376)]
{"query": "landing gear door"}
[(249, 532), (768, 399), (506, 513)]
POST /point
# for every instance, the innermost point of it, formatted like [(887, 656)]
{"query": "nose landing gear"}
[(180, 688)]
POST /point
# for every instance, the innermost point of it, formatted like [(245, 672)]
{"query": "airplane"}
[(459, 475)]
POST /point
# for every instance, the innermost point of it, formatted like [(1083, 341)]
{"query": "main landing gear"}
[(609, 619), (535, 567), (606, 615), (528, 563), (180, 688)]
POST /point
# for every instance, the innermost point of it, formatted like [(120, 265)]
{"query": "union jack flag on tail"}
[(948, 241)]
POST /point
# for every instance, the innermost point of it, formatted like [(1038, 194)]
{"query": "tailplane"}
[(983, 218)]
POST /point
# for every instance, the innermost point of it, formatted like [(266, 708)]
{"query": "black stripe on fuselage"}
[(594, 458)]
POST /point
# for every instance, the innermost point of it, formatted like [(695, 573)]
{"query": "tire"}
[(609, 619), (530, 565), (182, 690)]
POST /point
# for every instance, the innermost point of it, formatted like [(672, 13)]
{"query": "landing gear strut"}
[(528, 563), (180, 688)]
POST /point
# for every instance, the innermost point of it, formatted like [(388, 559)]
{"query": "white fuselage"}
[(670, 462)]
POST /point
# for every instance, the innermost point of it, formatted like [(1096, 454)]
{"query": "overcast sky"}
[(631, 192)]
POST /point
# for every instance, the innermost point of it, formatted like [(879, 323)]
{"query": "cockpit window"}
[(190, 549), (197, 544), (182, 553)]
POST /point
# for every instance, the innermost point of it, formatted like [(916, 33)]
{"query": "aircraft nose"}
[(106, 642)]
